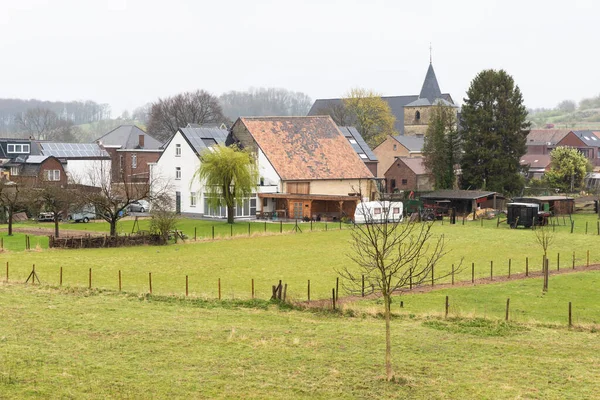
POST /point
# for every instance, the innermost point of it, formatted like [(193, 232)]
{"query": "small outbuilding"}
[(466, 201)]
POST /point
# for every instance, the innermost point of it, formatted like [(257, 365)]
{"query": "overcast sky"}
[(129, 52)]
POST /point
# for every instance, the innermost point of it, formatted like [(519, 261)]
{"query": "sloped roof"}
[(127, 137), (202, 138), (588, 137), (4, 142), (306, 148), (546, 136), (536, 160), (73, 150), (457, 194), (412, 143), (360, 146), (416, 164), (396, 104), (430, 89)]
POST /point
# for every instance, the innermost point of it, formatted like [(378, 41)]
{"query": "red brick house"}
[(408, 174)]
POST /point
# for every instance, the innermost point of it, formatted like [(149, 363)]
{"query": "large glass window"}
[(247, 208)]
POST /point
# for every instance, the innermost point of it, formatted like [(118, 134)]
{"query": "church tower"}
[(416, 113)]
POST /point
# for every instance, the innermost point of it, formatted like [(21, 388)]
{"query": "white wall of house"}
[(271, 182), (86, 172)]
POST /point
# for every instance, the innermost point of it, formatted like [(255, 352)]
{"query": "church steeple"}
[(431, 88)]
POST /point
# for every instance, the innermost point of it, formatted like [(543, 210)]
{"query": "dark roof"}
[(430, 89), (127, 137), (33, 147), (396, 104), (549, 137), (412, 143), (360, 146), (202, 138), (415, 164), (588, 137), (73, 150), (308, 148), (457, 194)]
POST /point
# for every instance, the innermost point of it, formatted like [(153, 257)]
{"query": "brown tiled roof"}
[(302, 148), (545, 136), (415, 164), (536, 160)]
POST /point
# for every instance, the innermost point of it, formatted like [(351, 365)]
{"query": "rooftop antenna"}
[(429, 52)]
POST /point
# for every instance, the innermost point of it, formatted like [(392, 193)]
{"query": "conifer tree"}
[(494, 131), (441, 150)]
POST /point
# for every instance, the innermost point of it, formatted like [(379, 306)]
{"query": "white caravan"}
[(378, 212)]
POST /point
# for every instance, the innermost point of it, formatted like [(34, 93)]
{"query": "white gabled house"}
[(178, 164)]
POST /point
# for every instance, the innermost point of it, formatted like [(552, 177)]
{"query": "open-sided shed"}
[(466, 201), (557, 205)]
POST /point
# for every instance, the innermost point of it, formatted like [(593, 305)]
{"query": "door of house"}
[(178, 202), (298, 210)]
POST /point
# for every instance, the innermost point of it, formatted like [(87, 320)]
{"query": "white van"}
[(378, 211)]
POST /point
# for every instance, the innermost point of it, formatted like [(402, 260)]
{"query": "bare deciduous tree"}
[(164, 219), (50, 197), (170, 114), (340, 114), (37, 122), (12, 199), (544, 236), (392, 256)]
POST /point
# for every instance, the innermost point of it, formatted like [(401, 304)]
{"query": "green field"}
[(294, 258), (94, 345)]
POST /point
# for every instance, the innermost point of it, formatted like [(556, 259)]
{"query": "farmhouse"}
[(408, 174), (179, 162), (397, 146), (307, 168)]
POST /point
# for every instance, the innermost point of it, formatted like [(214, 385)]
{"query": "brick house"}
[(131, 150), (397, 146), (21, 161), (408, 174)]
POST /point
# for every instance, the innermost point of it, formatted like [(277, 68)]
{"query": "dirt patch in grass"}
[(49, 230)]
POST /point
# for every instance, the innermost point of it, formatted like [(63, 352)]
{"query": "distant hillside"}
[(568, 115)]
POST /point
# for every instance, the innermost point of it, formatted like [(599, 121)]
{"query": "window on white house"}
[(134, 160), (177, 172), (178, 150), (20, 148), (52, 174), (193, 199), (14, 171)]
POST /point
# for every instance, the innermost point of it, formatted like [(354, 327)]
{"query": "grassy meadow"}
[(66, 343)]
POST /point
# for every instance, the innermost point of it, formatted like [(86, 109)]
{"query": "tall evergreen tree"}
[(441, 150), (494, 131)]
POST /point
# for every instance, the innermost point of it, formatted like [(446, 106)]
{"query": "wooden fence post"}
[(526, 266), (231, 230), (337, 288), (219, 288), (253, 288), (558, 261), (573, 260), (150, 281), (572, 225), (265, 226), (492, 270), (509, 265), (507, 308), (446, 316), (90, 279), (570, 318), (7, 272), (280, 226), (308, 291), (588, 259), (248, 228), (453, 274), (195, 237), (284, 292), (187, 286), (333, 298), (363, 285), (432, 275), (213, 232), (473, 272), (598, 227), (586, 227), (119, 280), (60, 279)]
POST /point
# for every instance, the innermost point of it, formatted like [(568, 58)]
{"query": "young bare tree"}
[(391, 255), (164, 219), (544, 236), (111, 199), (12, 200), (52, 198)]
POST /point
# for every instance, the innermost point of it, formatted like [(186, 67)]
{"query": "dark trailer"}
[(525, 214)]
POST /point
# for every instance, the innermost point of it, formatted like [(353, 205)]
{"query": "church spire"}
[(431, 88)]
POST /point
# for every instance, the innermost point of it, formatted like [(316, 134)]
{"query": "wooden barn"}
[(557, 205)]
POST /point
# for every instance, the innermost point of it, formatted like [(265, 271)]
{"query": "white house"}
[(83, 160), (178, 164)]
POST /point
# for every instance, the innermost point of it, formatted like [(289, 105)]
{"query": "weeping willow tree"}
[(229, 174)]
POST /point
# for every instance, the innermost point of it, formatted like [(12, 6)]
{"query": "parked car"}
[(48, 217), (84, 214), (140, 206)]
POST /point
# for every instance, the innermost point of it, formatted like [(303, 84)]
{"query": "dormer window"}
[(18, 148), (418, 115)]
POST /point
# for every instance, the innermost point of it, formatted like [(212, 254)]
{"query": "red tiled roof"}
[(309, 148), (545, 136)]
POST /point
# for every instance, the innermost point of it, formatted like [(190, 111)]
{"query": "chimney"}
[(141, 141)]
